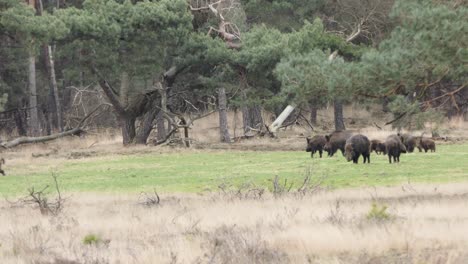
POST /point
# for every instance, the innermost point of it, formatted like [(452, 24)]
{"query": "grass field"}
[(204, 170), (421, 218)]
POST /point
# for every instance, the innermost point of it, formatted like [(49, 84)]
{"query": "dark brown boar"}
[(356, 146), (377, 146), (427, 144), (410, 142), (394, 147), (314, 144), (2, 161), (336, 141)]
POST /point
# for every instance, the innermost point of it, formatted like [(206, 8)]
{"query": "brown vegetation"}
[(406, 224)]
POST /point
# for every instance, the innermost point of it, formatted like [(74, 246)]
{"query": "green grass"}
[(201, 171)]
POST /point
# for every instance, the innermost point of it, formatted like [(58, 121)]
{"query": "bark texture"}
[(313, 113), (127, 124), (339, 118), (252, 118), (33, 122), (124, 87), (54, 88), (223, 121), (146, 126), (160, 121), (139, 106), (161, 126)]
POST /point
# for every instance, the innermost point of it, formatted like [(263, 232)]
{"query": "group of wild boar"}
[(353, 145)]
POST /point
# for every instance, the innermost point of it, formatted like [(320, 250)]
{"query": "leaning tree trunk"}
[(161, 131), (33, 125), (54, 88), (146, 126), (223, 121), (339, 119)]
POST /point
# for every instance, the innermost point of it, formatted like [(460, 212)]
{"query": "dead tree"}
[(180, 121), (226, 30), (39, 198)]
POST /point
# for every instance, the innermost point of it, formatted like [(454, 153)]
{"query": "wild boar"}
[(336, 141), (394, 147), (377, 146), (356, 146), (314, 144)]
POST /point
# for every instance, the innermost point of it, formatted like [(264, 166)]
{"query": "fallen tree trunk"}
[(27, 140), (79, 129)]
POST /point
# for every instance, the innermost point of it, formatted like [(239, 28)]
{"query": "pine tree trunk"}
[(246, 119), (127, 123), (256, 116), (20, 123), (339, 118), (34, 129), (245, 113), (313, 113), (124, 86), (252, 118), (223, 121), (54, 88)]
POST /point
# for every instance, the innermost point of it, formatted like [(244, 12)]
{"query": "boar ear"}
[(327, 137), (308, 139)]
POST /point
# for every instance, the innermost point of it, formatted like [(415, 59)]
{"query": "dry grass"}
[(427, 224)]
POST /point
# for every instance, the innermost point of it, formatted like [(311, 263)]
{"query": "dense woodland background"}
[(158, 66)]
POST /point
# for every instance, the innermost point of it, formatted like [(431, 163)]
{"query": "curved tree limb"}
[(396, 119), (109, 91)]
